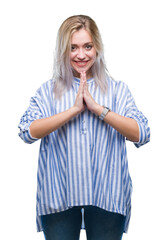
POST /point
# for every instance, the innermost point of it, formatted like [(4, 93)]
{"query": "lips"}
[(81, 63)]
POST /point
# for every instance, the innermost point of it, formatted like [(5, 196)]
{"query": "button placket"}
[(83, 125)]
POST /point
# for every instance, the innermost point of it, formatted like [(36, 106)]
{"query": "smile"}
[(81, 63)]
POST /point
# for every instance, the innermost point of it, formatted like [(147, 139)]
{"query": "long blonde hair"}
[(62, 70)]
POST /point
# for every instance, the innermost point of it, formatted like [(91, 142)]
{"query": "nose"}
[(81, 54)]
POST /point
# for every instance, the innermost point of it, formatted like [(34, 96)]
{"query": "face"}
[(83, 53)]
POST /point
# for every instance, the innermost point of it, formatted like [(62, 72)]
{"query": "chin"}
[(77, 71)]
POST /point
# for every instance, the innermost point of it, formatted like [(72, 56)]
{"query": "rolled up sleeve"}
[(132, 111), (34, 112)]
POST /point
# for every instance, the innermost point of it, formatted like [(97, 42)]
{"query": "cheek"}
[(72, 55), (93, 55), (93, 58)]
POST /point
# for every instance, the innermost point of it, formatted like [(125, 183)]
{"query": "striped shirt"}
[(83, 162)]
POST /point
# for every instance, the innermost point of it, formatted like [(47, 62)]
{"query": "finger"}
[(85, 85), (81, 86), (81, 78), (84, 76)]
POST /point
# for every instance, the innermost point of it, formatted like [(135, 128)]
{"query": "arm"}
[(133, 125), (128, 127), (35, 123), (42, 127)]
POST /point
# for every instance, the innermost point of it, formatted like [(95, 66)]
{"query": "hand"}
[(79, 102), (88, 99)]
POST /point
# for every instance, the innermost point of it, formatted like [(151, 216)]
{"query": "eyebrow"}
[(73, 44)]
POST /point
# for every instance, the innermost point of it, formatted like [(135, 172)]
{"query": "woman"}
[(83, 118)]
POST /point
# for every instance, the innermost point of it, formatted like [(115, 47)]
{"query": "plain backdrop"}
[(135, 39)]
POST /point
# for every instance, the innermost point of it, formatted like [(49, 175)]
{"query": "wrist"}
[(98, 109), (76, 110), (104, 112)]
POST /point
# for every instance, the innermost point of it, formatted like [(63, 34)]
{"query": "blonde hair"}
[(62, 70)]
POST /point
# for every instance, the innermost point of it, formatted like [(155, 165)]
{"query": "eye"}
[(88, 47), (73, 48)]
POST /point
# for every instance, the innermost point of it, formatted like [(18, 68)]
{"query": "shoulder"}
[(119, 85), (46, 88)]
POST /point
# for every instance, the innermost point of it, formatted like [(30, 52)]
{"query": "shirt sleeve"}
[(132, 111), (34, 111)]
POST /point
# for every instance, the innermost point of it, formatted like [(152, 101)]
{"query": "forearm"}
[(42, 127), (128, 127)]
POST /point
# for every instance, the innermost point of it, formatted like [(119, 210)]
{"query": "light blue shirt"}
[(83, 162)]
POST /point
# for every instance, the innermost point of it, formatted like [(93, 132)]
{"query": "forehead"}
[(81, 36)]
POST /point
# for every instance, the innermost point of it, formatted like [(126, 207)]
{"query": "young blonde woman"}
[(83, 118)]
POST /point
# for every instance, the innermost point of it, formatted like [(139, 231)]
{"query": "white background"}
[(136, 51)]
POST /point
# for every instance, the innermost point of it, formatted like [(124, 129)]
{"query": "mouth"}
[(81, 63)]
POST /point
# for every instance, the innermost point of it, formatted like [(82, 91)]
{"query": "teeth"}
[(81, 63)]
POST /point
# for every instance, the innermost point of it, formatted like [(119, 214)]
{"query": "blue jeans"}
[(99, 224)]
